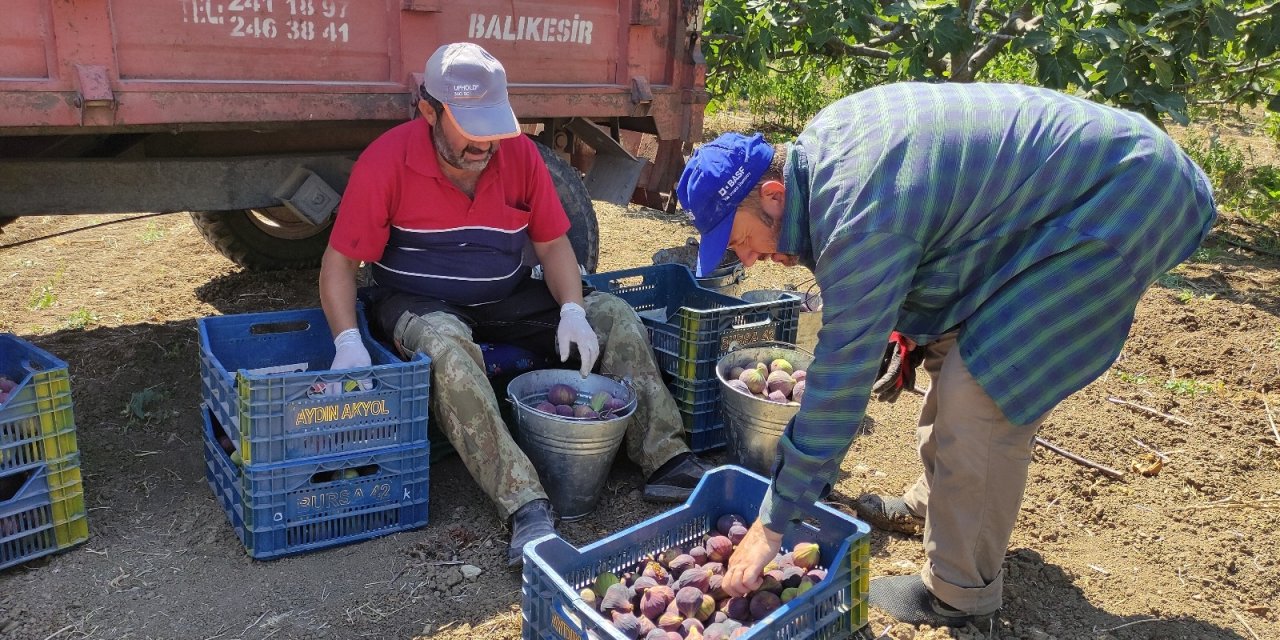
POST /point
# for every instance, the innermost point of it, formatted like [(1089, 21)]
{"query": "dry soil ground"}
[(1188, 552)]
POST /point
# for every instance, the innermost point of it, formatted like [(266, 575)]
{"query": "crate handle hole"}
[(288, 326), (31, 366), (10, 485), (349, 473)]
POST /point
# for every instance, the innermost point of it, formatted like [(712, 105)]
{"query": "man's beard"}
[(457, 159)]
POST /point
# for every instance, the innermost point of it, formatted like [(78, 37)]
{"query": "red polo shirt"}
[(424, 235)]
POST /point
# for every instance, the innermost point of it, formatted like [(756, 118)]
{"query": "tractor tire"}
[(263, 239), (584, 230)]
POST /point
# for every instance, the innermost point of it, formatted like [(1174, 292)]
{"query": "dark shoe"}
[(675, 480), (889, 514), (908, 600), (530, 522)]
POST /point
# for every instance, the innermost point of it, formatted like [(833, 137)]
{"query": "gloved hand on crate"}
[(897, 368), (349, 353), (574, 329)]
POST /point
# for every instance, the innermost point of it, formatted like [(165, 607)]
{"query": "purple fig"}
[(726, 522), (564, 410), (736, 533), (739, 386), (777, 396), (584, 411), (670, 620), (699, 554), (654, 570), (641, 585), (719, 548), (696, 577), (666, 557), (655, 634), (545, 407), (681, 563), (617, 598), (754, 380), (715, 586), (715, 632), (816, 575), (656, 600), (627, 623), (735, 372), (799, 375), (713, 568), (615, 405), (764, 603), (797, 392), (689, 601), (691, 625), (646, 626), (738, 608), (562, 394)]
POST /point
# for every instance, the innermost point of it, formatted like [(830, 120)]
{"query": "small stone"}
[(453, 579), (470, 572), (488, 544)]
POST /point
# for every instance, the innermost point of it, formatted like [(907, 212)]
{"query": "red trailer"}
[(250, 113)]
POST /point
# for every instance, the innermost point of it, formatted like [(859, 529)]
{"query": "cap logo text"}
[(732, 185)]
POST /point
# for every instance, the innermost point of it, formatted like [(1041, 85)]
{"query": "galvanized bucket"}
[(754, 425), (726, 279), (810, 320), (572, 455)]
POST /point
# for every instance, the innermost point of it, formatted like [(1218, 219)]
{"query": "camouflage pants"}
[(466, 410)]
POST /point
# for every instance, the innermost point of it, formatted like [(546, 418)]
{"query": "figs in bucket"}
[(562, 394)]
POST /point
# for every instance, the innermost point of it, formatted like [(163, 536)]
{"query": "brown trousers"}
[(975, 470)]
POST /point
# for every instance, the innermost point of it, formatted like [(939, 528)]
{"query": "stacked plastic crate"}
[(301, 457), (41, 495), (690, 328)]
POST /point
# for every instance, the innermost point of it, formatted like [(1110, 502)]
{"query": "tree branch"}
[(1254, 13), (894, 34), (836, 47), (1018, 22)]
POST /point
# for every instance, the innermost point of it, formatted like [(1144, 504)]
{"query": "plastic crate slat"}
[(43, 517), (555, 571), (277, 417), (278, 510), (37, 423), (700, 326)]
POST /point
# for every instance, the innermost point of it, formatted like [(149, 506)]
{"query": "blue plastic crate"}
[(281, 417), (290, 508), (37, 423), (45, 514), (691, 327), (555, 571)]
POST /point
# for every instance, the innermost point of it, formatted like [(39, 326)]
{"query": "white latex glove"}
[(574, 329), (349, 354)]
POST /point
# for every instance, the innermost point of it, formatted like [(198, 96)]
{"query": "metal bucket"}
[(726, 279), (754, 425), (810, 319), (572, 455)]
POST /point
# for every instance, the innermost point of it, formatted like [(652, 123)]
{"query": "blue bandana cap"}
[(717, 177)]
